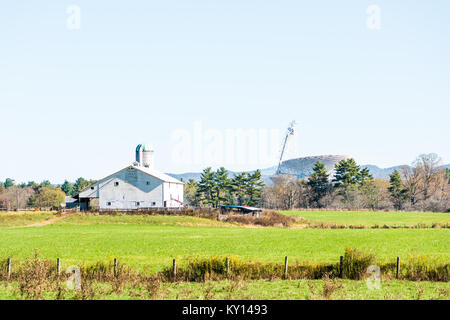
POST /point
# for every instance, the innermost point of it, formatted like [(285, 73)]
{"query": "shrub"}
[(355, 263)]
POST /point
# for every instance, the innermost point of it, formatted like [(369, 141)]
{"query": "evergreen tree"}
[(79, 185), (32, 184), (222, 187), (68, 188), (239, 187), (45, 184), (254, 188), (207, 187), (319, 183), (8, 183), (347, 173), (364, 176), (398, 193)]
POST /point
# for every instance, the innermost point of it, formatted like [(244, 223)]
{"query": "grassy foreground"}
[(153, 241), (249, 290), (371, 218)]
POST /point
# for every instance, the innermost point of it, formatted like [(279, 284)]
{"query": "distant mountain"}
[(186, 176), (302, 169), (381, 173)]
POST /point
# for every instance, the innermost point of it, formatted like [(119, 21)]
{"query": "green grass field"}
[(153, 241), (372, 218)]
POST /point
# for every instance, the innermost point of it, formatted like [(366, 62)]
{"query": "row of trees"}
[(216, 188), (422, 186), (33, 195)]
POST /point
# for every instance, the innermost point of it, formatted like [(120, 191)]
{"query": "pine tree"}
[(67, 187), (222, 187), (347, 173), (364, 176), (239, 187), (254, 188), (398, 193), (319, 183), (206, 187)]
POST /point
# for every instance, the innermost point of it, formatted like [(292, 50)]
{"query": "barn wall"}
[(134, 186), (173, 191)]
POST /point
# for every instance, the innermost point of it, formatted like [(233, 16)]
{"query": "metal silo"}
[(139, 154), (147, 156)]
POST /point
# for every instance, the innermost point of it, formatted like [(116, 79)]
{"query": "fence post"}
[(174, 269), (285, 267), (8, 267), (58, 267), (398, 267), (228, 266), (341, 266), (115, 267)]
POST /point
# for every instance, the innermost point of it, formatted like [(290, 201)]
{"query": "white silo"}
[(148, 160)]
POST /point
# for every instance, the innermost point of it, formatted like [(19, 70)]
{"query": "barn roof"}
[(159, 175)]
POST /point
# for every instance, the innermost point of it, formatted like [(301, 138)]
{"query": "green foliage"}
[(398, 193), (254, 188), (32, 184), (319, 183), (47, 197), (45, 184), (207, 187), (81, 184), (239, 184), (8, 183), (222, 184), (67, 188), (348, 173), (425, 268), (355, 263), (364, 176), (216, 188), (191, 196)]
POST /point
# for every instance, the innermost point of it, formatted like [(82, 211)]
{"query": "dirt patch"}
[(47, 222)]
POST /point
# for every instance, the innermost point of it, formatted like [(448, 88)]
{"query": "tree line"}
[(216, 188), (38, 195), (422, 186)]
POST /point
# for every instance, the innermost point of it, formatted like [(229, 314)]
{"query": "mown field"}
[(148, 243), (372, 218)]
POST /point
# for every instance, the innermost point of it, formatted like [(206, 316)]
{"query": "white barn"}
[(137, 186)]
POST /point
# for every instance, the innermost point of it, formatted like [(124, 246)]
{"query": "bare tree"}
[(428, 167), (412, 181)]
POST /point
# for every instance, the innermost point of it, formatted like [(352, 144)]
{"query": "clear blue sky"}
[(77, 102)]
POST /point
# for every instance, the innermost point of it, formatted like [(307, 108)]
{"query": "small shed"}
[(255, 212), (70, 203)]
